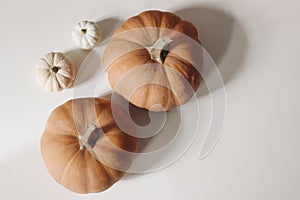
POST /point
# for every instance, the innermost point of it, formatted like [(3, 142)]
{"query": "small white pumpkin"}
[(55, 72), (86, 34)]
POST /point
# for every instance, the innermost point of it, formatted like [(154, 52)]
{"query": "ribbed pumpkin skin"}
[(170, 83), (83, 170)]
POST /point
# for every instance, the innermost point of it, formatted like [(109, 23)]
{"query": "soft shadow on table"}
[(222, 36), (159, 141), (144, 118), (78, 56), (108, 26)]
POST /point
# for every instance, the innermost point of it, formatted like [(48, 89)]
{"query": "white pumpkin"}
[(55, 72), (86, 35)]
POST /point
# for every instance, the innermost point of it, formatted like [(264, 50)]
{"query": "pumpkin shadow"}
[(222, 36), (108, 26), (155, 131), (85, 68), (166, 134)]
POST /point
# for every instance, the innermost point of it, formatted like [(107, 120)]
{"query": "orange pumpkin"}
[(153, 60), (83, 147)]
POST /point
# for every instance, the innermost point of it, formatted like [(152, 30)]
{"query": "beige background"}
[(256, 46)]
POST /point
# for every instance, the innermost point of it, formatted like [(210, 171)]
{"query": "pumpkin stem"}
[(89, 137), (55, 69), (160, 49), (84, 30)]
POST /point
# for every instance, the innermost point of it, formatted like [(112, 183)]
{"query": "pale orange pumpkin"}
[(83, 147), (153, 60)]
